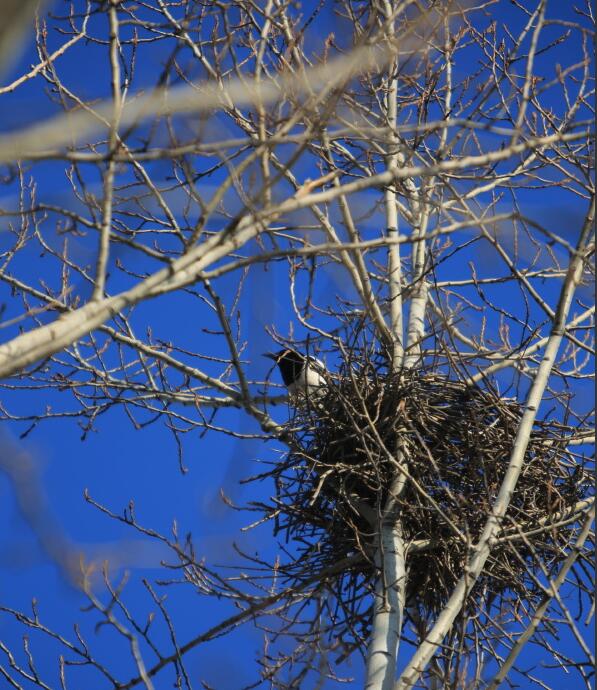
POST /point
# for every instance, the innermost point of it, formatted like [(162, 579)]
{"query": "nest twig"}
[(455, 441)]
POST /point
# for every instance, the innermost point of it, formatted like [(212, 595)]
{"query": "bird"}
[(303, 375)]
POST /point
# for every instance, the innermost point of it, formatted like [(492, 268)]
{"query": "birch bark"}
[(390, 559)]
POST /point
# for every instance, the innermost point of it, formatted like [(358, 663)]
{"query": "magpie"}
[(302, 374)]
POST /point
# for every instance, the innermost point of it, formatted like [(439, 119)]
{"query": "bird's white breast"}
[(310, 380)]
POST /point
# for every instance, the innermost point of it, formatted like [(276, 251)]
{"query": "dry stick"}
[(45, 63), (261, 123), (354, 132), (122, 629), (418, 305), (517, 357), (545, 524), (416, 324), (57, 335), (252, 611), (482, 549), (528, 77), (254, 221), (44, 341), (108, 192), (59, 130), (354, 260), (553, 589), (391, 209), (390, 556), (336, 245)]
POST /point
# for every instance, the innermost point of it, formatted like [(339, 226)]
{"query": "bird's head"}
[(290, 362)]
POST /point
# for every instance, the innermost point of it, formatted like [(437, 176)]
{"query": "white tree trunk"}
[(388, 606), (389, 609)]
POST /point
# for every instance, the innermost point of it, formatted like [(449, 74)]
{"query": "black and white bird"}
[(303, 375)]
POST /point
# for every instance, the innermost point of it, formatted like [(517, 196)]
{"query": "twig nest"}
[(452, 441)]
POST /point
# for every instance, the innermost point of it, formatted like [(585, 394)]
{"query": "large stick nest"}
[(453, 441)]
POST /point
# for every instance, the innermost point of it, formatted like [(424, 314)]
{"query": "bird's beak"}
[(270, 355)]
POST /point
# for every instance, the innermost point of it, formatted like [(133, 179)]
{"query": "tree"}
[(391, 177)]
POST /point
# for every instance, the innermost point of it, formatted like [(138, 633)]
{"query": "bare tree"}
[(417, 179)]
